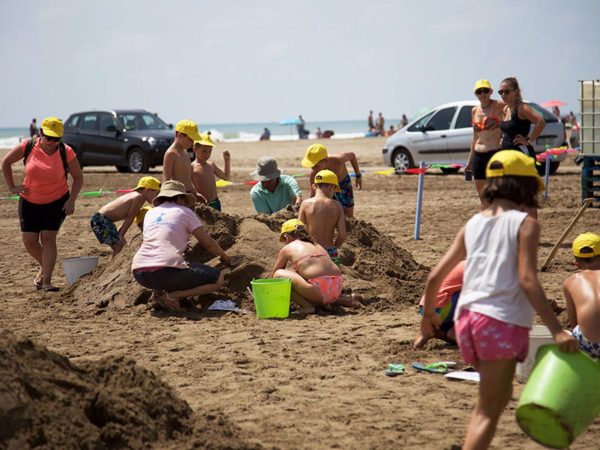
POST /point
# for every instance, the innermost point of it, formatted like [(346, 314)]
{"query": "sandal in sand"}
[(49, 288)]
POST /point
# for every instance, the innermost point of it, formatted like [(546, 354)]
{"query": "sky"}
[(263, 61)]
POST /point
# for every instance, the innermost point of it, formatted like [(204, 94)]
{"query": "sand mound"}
[(112, 403), (386, 275)]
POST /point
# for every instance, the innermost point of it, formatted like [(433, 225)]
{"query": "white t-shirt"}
[(167, 229), (491, 280)]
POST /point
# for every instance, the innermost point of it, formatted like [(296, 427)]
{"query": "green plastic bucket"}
[(561, 397), (272, 297)]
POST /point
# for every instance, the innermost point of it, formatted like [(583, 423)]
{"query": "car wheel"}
[(541, 168), (449, 170), (137, 161), (402, 160)]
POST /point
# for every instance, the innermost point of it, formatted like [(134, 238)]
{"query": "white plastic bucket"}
[(75, 268), (538, 335)]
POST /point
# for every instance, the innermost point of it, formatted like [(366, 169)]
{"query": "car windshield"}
[(142, 121), (546, 115)]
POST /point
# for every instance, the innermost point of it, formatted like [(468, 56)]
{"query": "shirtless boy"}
[(124, 208), (323, 215), (204, 171), (582, 292), (317, 159), (176, 162)]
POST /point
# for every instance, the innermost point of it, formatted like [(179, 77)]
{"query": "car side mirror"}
[(171, 126)]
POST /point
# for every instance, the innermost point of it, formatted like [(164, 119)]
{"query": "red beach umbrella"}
[(553, 103)]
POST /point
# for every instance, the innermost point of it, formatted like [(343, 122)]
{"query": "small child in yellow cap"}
[(582, 292), (323, 215), (204, 171), (125, 208), (317, 159)]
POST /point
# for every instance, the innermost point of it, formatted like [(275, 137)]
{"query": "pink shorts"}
[(330, 287), (481, 337)]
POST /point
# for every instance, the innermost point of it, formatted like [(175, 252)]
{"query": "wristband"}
[(358, 175)]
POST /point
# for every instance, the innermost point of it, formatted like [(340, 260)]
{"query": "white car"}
[(443, 136)]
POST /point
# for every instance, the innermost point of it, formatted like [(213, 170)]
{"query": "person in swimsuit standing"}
[(486, 134), (316, 280)]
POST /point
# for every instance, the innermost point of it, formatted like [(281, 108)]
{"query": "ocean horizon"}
[(244, 132)]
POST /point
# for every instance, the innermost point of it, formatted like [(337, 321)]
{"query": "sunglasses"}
[(52, 138), (504, 91), (482, 91)]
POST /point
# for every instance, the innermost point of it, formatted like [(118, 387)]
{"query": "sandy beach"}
[(229, 380)]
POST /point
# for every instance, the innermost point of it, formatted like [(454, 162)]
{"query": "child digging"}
[(323, 215), (582, 292), (125, 208), (317, 159), (494, 312), (204, 171)]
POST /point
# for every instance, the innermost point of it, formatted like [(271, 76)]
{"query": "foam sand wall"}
[(386, 275)]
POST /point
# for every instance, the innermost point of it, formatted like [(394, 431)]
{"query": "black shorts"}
[(35, 218), (479, 163), (170, 279)]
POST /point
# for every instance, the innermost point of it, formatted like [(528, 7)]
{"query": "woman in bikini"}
[(316, 280), (486, 134)]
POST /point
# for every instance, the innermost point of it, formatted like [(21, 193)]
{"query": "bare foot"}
[(307, 310), (350, 300), (38, 280), (420, 340), (169, 303)]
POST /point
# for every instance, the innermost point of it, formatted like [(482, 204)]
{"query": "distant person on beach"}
[(403, 121), (445, 305), (317, 159), (159, 263), (324, 216), (125, 208), (380, 125), (274, 191), (266, 135), (316, 280), (44, 198), (205, 171), (302, 131), (391, 131), (33, 129), (500, 289), (319, 133), (582, 293), (556, 112), (176, 162), (485, 143), (371, 122)]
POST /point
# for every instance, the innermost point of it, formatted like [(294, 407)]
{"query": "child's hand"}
[(566, 342), (226, 155), (359, 183), (201, 198), (428, 326)]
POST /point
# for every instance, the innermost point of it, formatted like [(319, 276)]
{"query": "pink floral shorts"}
[(481, 337)]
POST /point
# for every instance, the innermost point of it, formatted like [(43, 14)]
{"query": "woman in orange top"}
[(45, 200)]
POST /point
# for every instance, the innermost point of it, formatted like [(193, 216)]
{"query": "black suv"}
[(131, 139)]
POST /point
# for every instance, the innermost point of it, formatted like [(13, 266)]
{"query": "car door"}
[(88, 133), (109, 144), (460, 136), (431, 144)]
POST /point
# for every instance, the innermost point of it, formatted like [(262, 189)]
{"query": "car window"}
[(105, 120), (419, 123), (89, 122), (441, 120), (142, 121), (464, 118), (73, 121), (546, 115)]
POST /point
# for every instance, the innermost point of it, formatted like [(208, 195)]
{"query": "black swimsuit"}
[(514, 127)]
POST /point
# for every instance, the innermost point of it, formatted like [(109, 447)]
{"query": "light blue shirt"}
[(269, 202)]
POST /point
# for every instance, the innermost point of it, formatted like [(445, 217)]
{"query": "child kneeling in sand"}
[(316, 280), (317, 159), (582, 292), (125, 208), (323, 215), (500, 288), (204, 171)]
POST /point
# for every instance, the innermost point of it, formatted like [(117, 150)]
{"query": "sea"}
[(245, 132)]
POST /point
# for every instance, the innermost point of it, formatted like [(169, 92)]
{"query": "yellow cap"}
[(314, 154), (53, 126), (189, 128), (327, 177), (289, 226), (148, 183), (482, 84), (514, 163), (586, 245), (139, 217), (204, 140)]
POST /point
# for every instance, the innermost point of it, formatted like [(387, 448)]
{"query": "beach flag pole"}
[(419, 200)]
